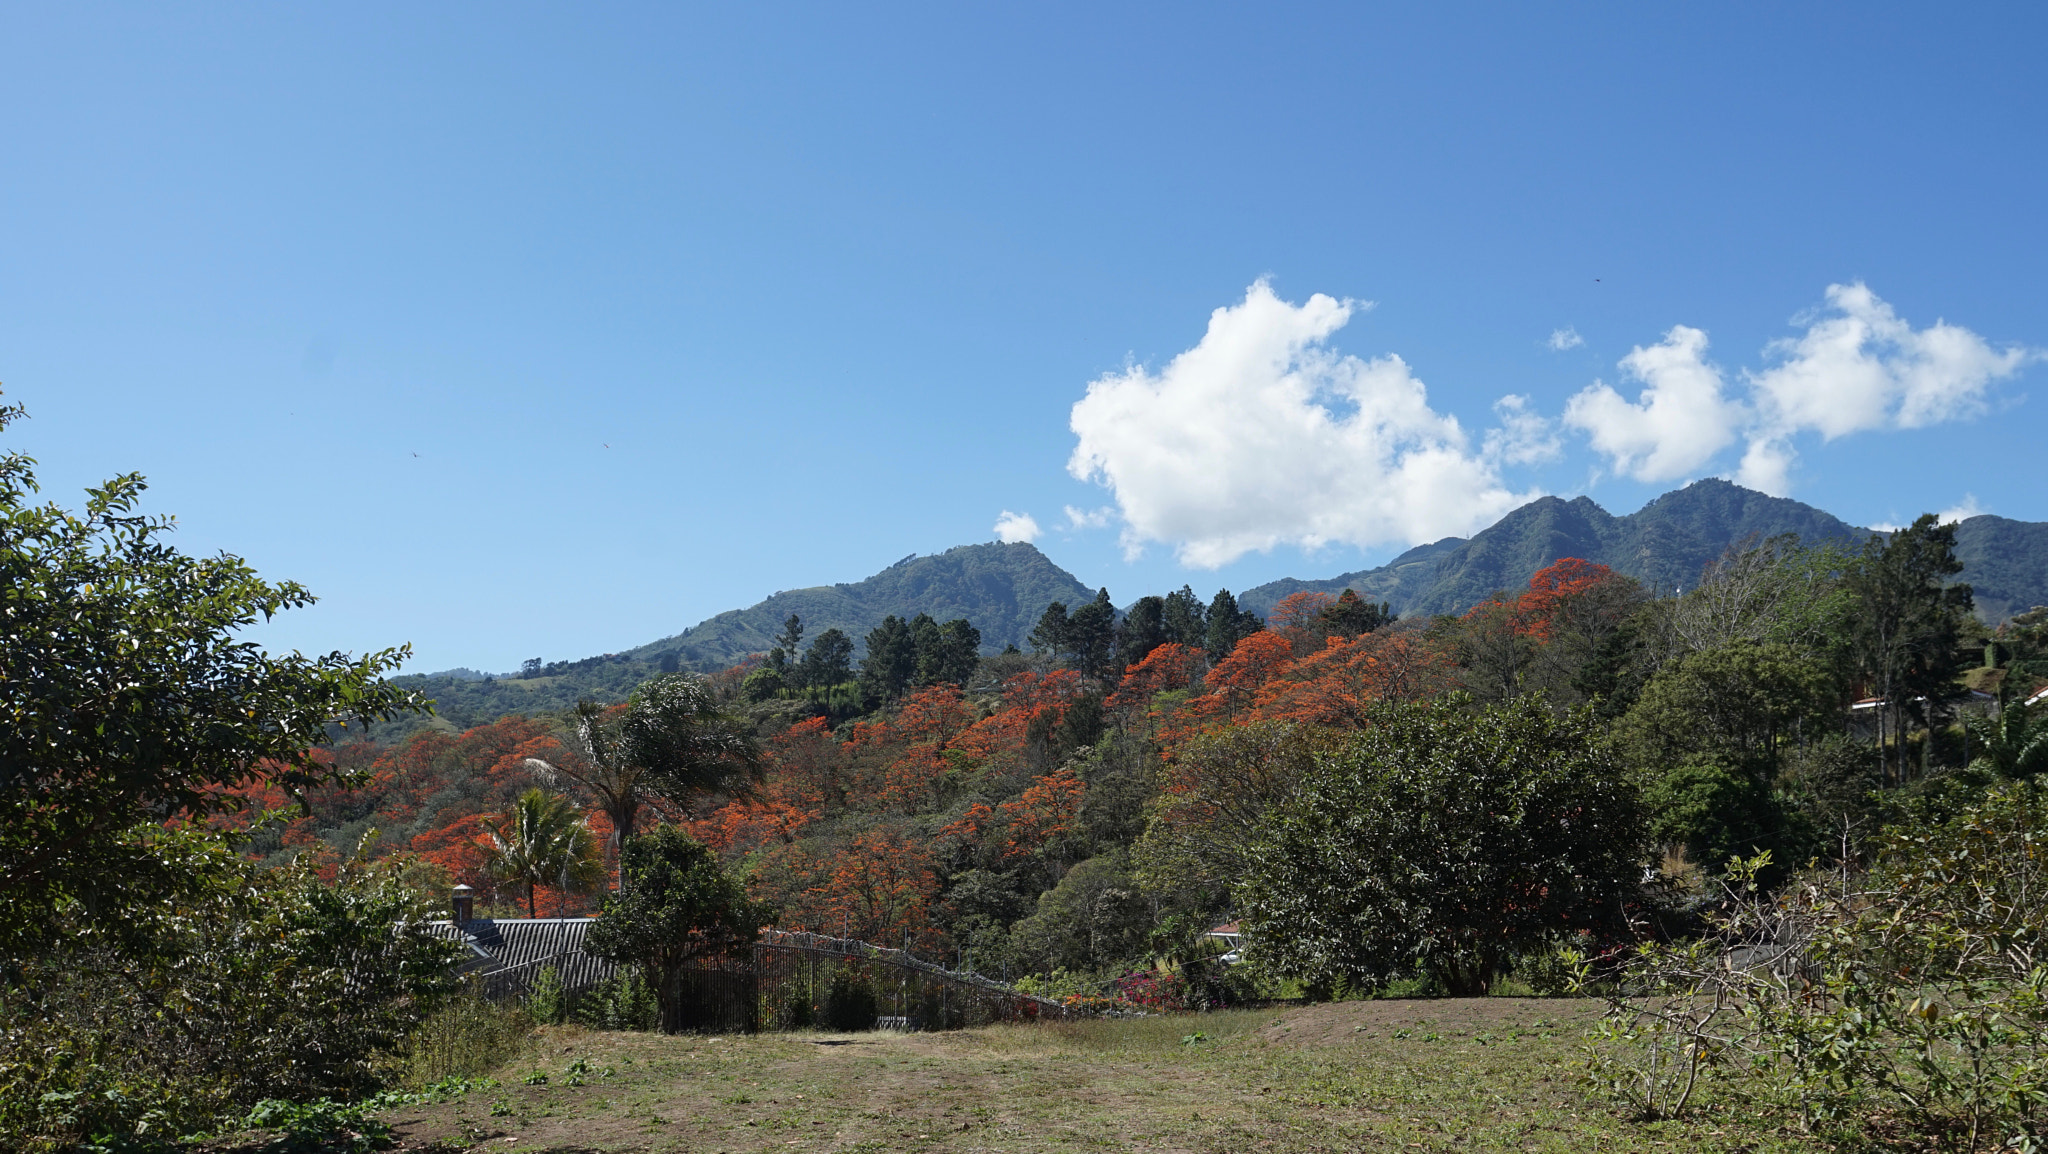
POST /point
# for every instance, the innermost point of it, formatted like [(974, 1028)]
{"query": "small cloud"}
[(1524, 437), (1014, 527), (1087, 519), (1967, 509), (1565, 338)]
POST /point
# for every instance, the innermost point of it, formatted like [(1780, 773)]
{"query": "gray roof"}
[(511, 952)]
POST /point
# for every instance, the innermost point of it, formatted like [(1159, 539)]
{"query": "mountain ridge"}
[(1002, 588), (1665, 544)]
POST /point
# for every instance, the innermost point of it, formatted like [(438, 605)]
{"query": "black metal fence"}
[(793, 980)]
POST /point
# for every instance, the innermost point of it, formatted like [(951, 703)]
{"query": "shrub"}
[(850, 1002), (1913, 996), (623, 1001), (1548, 970), (547, 1002), (1152, 989), (1061, 984), (257, 984), (1445, 841), (468, 1037)]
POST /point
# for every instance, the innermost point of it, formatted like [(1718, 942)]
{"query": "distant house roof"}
[(1226, 930), (2038, 698), (511, 952)]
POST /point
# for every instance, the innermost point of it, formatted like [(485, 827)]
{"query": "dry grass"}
[(1490, 1074)]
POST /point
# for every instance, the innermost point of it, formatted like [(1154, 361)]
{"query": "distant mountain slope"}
[(1664, 544), (2005, 562), (1002, 589)]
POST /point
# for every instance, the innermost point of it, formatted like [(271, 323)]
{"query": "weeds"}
[(468, 1037)]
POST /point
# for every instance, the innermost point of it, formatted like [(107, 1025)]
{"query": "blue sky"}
[(520, 330)]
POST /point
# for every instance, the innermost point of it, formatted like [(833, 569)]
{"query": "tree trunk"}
[(1927, 747)]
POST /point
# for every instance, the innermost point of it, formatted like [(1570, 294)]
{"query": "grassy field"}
[(1480, 1074)]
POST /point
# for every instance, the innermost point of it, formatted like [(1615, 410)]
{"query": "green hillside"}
[(2005, 562), (1001, 589), (463, 700), (1664, 545)]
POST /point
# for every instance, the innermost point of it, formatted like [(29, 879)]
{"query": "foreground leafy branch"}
[(1912, 997)]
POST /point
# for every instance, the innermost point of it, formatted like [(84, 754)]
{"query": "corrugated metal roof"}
[(511, 952)]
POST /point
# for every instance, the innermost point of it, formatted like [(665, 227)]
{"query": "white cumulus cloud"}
[(1857, 367), (1675, 425), (1565, 338), (1014, 527), (1261, 435)]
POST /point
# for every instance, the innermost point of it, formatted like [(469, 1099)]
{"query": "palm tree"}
[(542, 839), (670, 740), (2015, 742)]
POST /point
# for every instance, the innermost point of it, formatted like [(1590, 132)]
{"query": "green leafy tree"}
[(676, 907), (766, 682), (1742, 704), (1707, 738), (246, 984), (127, 695), (1444, 840), (670, 740), (1183, 619), (1351, 615), (542, 840), (924, 647), (1228, 625), (890, 666), (1143, 629), (1049, 636), (2014, 744), (1909, 619), (948, 653), (1091, 636), (1903, 1000), (791, 638), (829, 660)]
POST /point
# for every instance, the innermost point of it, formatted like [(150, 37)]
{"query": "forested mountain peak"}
[(1664, 545), (2006, 563), (1001, 588)]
